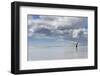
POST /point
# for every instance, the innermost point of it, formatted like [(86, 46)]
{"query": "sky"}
[(48, 29)]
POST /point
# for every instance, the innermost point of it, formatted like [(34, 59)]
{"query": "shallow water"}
[(56, 52)]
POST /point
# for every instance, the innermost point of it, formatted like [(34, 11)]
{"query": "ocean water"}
[(45, 52)]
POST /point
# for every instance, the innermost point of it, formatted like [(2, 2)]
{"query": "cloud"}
[(54, 21), (57, 26)]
